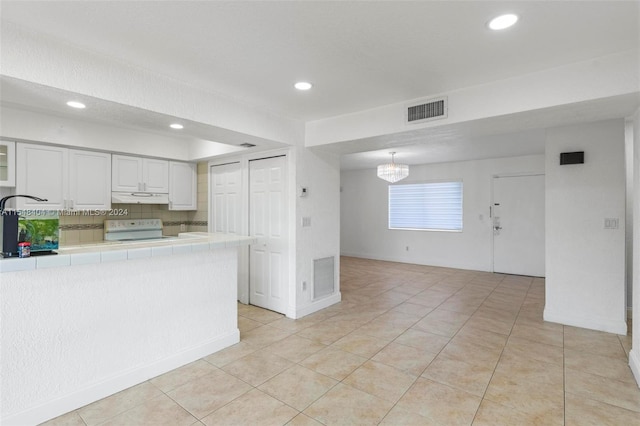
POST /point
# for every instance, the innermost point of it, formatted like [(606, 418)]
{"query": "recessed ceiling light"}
[(303, 85), (176, 126), (503, 21), (76, 104)]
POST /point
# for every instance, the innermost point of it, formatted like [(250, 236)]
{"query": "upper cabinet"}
[(182, 186), (68, 179), (137, 174), (89, 180), (7, 163)]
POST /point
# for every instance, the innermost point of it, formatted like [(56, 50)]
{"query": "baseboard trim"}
[(415, 262), (316, 306), (600, 324), (118, 382), (634, 363)]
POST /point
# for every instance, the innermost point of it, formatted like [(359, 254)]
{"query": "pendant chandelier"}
[(392, 172)]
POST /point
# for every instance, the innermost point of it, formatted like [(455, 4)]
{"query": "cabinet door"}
[(126, 174), (41, 171), (182, 186), (7, 163), (155, 176), (89, 180)]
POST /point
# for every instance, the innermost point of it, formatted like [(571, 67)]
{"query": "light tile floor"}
[(408, 345)]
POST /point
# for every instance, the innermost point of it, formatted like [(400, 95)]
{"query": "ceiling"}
[(358, 54)]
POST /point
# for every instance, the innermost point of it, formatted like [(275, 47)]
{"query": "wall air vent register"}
[(432, 109)]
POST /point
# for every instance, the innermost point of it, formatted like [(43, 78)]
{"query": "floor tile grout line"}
[(439, 352), (528, 306), (497, 362)]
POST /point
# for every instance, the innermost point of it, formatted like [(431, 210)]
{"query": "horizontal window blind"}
[(436, 206)]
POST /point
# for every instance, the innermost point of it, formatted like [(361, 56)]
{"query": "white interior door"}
[(225, 196), (518, 225), (268, 259), (225, 215)]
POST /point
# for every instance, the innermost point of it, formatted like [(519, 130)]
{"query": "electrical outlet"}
[(407, 248), (183, 227)]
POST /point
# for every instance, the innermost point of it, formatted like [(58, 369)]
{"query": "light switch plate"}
[(611, 223)]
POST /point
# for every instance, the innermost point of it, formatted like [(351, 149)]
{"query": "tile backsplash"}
[(87, 228)]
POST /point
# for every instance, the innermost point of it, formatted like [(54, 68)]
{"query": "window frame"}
[(429, 182)]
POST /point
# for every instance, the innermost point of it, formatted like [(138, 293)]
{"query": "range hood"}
[(139, 198)]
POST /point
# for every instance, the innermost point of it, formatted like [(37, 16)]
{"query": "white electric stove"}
[(132, 229)]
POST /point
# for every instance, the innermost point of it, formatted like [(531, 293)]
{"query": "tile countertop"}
[(112, 251)]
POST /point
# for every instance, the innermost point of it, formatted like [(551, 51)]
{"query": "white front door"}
[(268, 258), (518, 225)]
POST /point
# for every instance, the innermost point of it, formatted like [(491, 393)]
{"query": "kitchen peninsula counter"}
[(97, 319), (110, 251)]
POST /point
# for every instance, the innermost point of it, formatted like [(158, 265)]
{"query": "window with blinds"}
[(427, 206)]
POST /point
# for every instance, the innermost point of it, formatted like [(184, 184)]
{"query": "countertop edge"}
[(187, 242)]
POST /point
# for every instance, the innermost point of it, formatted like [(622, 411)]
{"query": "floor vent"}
[(323, 277), (431, 110)]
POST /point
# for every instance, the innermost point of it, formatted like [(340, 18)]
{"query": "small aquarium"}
[(41, 228)]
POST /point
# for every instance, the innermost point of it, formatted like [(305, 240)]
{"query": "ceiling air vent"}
[(432, 109)]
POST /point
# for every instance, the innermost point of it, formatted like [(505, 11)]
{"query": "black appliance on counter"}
[(9, 226)]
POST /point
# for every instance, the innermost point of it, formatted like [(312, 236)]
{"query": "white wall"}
[(36, 127), (41, 59), (19, 124), (364, 215), (320, 174), (599, 78), (585, 263), (75, 334), (634, 356)]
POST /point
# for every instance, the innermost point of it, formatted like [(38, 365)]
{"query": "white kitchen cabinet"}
[(138, 174), (42, 171), (69, 179), (183, 181), (126, 173), (7, 163), (89, 180)]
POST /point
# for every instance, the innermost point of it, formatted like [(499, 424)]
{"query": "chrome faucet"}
[(3, 201)]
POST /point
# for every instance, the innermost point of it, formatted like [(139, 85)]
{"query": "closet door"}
[(268, 258), (225, 197)]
